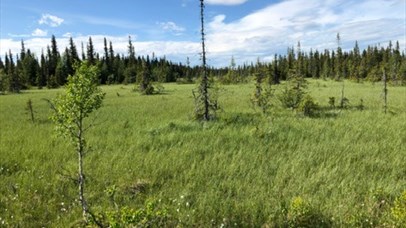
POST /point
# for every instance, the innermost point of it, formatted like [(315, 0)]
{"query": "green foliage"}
[(210, 100), (261, 98), (145, 81), (308, 106), (294, 91), (372, 210), (30, 109), (361, 105), (150, 215), (4, 82), (81, 98), (398, 210), (331, 102), (302, 214), (344, 102)]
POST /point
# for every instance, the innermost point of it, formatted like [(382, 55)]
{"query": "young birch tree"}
[(82, 96)]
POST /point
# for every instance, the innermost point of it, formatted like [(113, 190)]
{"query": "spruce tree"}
[(73, 52), (131, 68), (43, 72), (275, 72), (261, 97), (14, 79), (145, 85), (205, 106), (91, 58), (338, 60)]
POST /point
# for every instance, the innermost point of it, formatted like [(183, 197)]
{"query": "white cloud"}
[(225, 2), (312, 22), (113, 22), (262, 33), (39, 32), (51, 20), (17, 35), (171, 27), (67, 35)]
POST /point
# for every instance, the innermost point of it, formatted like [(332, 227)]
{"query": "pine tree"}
[(4, 86), (338, 60), (1, 64), (30, 69), (73, 54), (43, 72), (4, 81), (62, 71), (131, 69), (106, 64), (300, 64), (52, 63), (275, 72), (231, 76), (83, 52), (90, 57), (145, 85), (261, 97), (205, 107), (14, 80)]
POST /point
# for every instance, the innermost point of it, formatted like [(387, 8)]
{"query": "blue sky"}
[(244, 29)]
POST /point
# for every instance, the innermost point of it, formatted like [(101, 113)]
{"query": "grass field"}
[(345, 167)]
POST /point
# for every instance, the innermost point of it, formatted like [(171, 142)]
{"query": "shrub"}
[(308, 106), (294, 92), (331, 102), (398, 210), (302, 214), (299, 213), (150, 215)]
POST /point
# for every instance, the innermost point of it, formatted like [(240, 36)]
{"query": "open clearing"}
[(242, 169)]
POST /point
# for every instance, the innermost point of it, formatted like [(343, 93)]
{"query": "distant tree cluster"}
[(354, 64), (52, 68)]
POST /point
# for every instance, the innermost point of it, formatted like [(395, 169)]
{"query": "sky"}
[(245, 30)]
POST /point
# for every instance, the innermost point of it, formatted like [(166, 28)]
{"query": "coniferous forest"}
[(51, 68)]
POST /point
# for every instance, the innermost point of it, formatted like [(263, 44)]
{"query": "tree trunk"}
[(385, 92), (81, 180), (205, 81)]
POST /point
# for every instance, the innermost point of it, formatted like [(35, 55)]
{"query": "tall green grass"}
[(243, 169)]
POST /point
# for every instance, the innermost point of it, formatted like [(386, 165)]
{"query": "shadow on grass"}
[(241, 119)]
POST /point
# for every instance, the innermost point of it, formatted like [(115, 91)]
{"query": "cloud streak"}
[(171, 27), (225, 2), (39, 32), (107, 22)]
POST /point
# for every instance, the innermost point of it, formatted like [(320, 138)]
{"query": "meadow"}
[(342, 167)]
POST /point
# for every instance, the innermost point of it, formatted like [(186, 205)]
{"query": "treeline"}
[(369, 64), (51, 69)]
